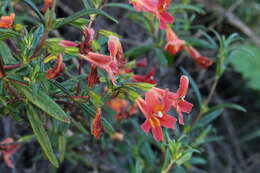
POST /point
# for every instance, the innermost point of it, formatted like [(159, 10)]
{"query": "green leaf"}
[(248, 65), (138, 50), (140, 85), (62, 147), (6, 54), (88, 4), (7, 33), (41, 135), (194, 86), (186, 7), (35, 9), (82, 13), (121, 5), (108, 33), (161, 57), (228, 105), (184, 158), (208, 118), (251, 135), (44, 102)]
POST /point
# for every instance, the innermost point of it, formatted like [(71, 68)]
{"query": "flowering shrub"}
[(65, 88)]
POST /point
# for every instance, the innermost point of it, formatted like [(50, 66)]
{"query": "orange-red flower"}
[(85, 45), (47, 5), (162, 15), (145, 5), (202, 61), (8, 150), (97, 127), (7, 21), (149, 78), (103, 61), (174, 44), (177, 99), (57, 69), (122, 108), (155, 109)]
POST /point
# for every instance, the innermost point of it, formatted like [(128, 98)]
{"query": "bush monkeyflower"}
[(7, 21)]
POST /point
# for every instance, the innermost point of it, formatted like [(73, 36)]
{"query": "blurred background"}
[(237, 148)]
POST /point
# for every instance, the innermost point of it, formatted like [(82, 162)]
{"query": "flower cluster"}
[(157, 104)]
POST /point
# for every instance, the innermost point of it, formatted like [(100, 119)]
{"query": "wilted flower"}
[(8, 150), (155, 109), (141, 62), (97, 127), (93, 78), (7, 21), (198, 58), (57, 69), (85, 45)]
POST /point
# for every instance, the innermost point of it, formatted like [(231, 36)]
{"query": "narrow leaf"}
[(121, 5), (35, 9), (228, 105), (41, 135)]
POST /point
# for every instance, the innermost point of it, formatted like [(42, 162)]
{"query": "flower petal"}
[(146, 126), (157, 133), (183, 88), (185, 106), (143, 107), (152, 100), (168, 121)]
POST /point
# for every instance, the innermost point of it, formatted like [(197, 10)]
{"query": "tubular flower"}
[(47, 5), (116, 51), (103, 61), (174, 44), (97, 127), (145, 5), (149, 78), (67, 43), (122, 108), (198, 58), (8, 151), (162, 15), (155, 110), (177, 99), (7, 21), (93, 78), (57, 69)]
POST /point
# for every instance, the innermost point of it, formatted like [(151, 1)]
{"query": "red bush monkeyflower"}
[(174, 44), (177, 99), (198, 58), (149, 78), (93, 78), (8, 151), (67, 43), (47, 5), (97, 127), (103, 61), (7, 21), (145, 5), (57, 69), (155, 110), (162, 15)]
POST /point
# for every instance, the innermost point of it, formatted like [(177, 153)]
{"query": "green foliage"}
[(245, 60)]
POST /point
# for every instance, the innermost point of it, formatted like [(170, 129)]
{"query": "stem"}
[(38, 48), (212, 91), (2, 70), (166, 170)]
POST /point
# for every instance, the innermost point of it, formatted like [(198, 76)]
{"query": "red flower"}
[(7, 21), (97, 127), (93, 78), (47, 5), (103, 61), (8, 151), (155, 109), (67, 43), (162, 15), (174, 44), (149, 78), (177, 99), (85, 45), (202, 61), (145, 5), (57, 69)]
